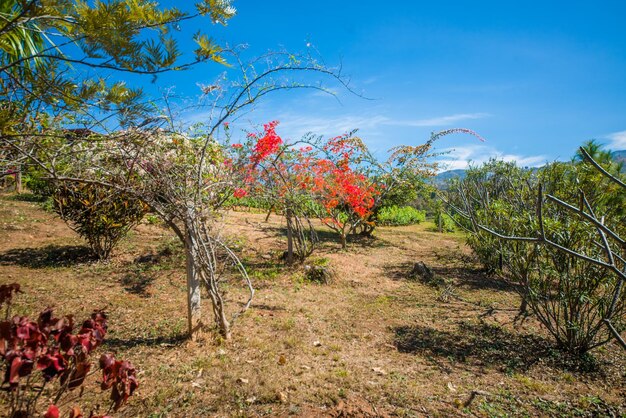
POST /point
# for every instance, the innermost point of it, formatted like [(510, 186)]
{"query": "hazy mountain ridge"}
[(441, 178), (619, 156)]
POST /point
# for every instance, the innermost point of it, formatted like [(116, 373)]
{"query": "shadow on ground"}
[(49, 256), (265, 307), (326, 236), (137, 283), (474, 279), (400, 271), (165, 341), (141, 271), (27, 197), (487, 345)]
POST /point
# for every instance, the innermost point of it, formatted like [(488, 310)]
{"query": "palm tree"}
[(603, 156)]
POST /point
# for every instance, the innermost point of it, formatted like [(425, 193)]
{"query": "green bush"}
[(444, 223), (567, 294), (99, 215), (397, 216), (39, 186)]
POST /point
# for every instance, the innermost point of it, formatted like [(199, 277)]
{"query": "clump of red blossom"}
[(266, 145), (338, 186)]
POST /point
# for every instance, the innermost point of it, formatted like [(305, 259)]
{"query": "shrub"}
[(99, 215), (444, 223), (38, 185), (569, 295), (47, 357), (397, 216)]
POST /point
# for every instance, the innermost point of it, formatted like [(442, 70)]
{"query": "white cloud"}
[(441, 120), (295, 126), (618, 140), (462, 157)]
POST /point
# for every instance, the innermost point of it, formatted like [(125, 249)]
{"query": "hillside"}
[(620, 156), (442, 178)]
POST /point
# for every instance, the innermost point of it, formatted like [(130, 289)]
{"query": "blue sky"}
[(536, 79)]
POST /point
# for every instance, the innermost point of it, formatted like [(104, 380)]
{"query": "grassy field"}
[(372, 343)]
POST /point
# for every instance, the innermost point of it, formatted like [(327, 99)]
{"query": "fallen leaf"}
[(282, 397), (379, 371)]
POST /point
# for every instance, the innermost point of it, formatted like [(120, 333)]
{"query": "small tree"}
[(344, 195), (402, 177), (499, 195), (277, 173)]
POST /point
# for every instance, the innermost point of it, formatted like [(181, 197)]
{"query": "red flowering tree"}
[(400, 178), (47, 356), (345, 194), (277, 173)]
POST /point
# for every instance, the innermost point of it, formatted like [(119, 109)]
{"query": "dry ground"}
[(372, 343)]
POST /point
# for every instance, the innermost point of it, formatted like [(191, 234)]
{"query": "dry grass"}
[(387, 345)]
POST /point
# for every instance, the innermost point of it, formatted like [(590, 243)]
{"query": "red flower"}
[(239, 193), (237, 146), (268, 144), (53, 412)]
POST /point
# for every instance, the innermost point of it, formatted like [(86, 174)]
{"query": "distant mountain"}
[(619, 156), (440, 179)]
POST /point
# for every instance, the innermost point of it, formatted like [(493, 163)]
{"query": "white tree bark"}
[(194, 299)]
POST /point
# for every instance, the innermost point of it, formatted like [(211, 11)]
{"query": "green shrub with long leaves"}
[(490, 191), (567, 294), (101, 216)]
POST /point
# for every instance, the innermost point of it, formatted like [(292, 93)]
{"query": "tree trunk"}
[(18, 180), (343, 241), (194, 317), (368, 230), (523, 309), (218, 311), (269, 212), (289, 237)]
